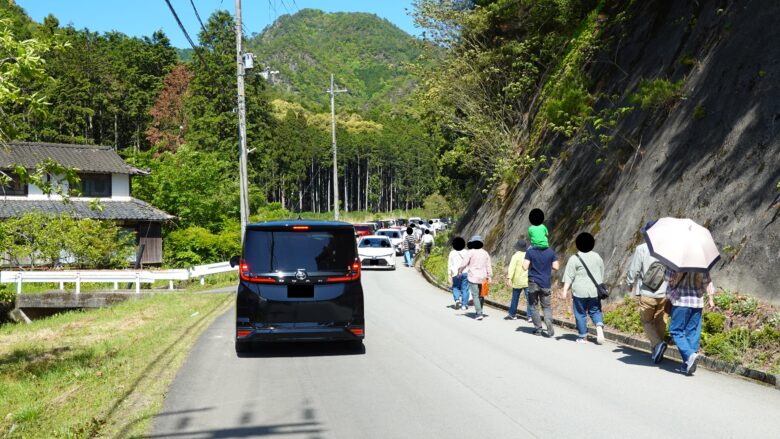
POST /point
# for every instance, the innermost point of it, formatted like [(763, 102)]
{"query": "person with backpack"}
[(584, 272), (646, 276), (409, 245)]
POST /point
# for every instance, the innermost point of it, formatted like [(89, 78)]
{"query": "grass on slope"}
[(101, 372)]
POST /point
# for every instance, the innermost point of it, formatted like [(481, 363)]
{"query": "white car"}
[(396, 238), (376, 251)]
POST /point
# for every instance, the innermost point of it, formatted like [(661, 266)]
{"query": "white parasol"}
[(682, 245)]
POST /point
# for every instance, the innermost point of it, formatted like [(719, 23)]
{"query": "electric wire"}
[(184, 30), (192, 2)]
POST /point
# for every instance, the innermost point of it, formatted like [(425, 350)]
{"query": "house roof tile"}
[(132, 209), (87, 158)]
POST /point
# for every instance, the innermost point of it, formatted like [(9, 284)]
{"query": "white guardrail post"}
[(78, 283), (19, 283)]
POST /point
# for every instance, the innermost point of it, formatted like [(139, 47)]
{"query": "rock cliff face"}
[(711, 156)]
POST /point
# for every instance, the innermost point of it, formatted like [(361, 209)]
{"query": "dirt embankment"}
[(712, 155)]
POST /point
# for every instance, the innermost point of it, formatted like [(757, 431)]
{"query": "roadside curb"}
[(634, 342)]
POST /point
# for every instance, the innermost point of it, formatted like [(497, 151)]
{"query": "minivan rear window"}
[(267, 251), (389, 234)]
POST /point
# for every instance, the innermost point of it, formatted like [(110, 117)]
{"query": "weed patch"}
[(101, 372)]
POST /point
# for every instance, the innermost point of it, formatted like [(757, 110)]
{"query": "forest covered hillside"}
[(368, 55), (609, 114)]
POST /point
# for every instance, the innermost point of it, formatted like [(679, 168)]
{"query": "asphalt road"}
[(429, 371)]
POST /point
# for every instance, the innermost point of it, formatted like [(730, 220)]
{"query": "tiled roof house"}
[(104, 175)]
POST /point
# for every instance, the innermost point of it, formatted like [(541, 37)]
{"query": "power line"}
[(192, 2), (186, 34)]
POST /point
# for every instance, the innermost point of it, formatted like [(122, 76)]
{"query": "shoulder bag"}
[(601, 289)]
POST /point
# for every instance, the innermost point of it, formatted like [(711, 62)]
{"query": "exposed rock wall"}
[(713, 156)]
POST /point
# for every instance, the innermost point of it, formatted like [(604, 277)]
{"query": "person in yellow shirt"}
[(517, 280)]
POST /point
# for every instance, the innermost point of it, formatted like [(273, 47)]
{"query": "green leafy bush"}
[(720, 346), (657, 94), (713, 323), (196, 245), (724, 299), (625, 317), (745, 307), (774, 320), (38, 239)]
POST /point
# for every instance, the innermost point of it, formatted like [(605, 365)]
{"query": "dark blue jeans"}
[(516, 299), (584, 307), (685, 328)]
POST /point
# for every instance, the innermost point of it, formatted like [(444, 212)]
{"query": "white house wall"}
[(120, 186)]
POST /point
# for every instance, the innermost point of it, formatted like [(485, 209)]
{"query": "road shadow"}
[(303, 349), (567, 337), (638, 358), (294, 428), (527, 329)]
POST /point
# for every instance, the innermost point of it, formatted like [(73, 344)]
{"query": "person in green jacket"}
[(517, 280)]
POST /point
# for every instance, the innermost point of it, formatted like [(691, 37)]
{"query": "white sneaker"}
[(479, 316), (599, 335)]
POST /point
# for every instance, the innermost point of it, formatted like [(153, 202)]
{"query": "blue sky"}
[(142, 17)]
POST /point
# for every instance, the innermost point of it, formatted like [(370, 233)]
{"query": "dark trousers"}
[(538, 295)]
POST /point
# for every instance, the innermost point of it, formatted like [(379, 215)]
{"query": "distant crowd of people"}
[(417, 235), (662, 291)]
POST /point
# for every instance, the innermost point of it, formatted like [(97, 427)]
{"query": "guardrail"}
[(116, 277)]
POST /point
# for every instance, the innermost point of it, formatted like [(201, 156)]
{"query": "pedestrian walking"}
[(409, 245), (427, 242), (418, 231), (540, 263), (480, 270), (686, 291), (646, 276), (460, 286), (517, 280), (584, 271), (689, 252)]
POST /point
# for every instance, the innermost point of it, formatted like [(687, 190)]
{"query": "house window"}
[(95, 185), (14, 187)]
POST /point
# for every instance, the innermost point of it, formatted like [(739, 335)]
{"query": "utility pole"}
[(244, 195), (332, 92)]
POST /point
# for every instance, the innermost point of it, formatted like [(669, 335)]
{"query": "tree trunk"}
[(358, 182)]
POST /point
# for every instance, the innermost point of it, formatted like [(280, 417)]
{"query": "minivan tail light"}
[(243, 272), (353, 273), (243, 332), (300, 228)]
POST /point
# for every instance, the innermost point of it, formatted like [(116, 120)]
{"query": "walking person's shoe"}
[(538, 332), (530, 320), (690, 365), (599, 334), (457, 304), (479, 316), (658, 352), (510, 317), (581, 340)]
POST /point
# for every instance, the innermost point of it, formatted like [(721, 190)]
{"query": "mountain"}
[(367, 55)]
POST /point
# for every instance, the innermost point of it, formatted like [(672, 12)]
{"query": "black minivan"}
[(299, 281)]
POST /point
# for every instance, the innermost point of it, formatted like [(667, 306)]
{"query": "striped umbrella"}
[(682, 245)]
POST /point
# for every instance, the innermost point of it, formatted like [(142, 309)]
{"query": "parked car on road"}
[(376, 251), (396, 238), (362, 230), (298, 281)]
